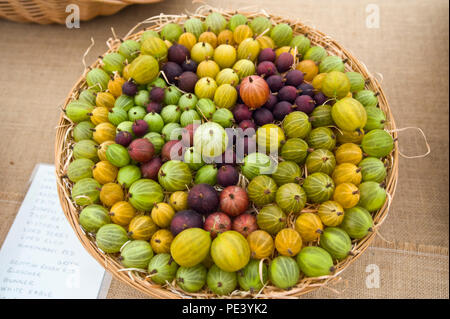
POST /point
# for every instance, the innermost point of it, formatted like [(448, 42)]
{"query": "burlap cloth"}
[(39, 65)]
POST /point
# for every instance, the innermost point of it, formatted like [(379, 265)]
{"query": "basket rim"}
[(158, 291)]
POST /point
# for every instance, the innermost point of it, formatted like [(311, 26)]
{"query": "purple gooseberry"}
[(275, 82), (123, 138), (178, 53), (189, 65), (305, 103), (129, 88), (185, 219), (151, 168), (262, 116), (294, 78), (287, 93), (157, 94), (241, 112), (282, 109), (267, 54), (266, 69), (172, 71), (140, 128), (306, 89), (320, 98), (271, 101), (154, 107), (203, 198), (227, 175), (187, 81), (247, 124), (284, 61)]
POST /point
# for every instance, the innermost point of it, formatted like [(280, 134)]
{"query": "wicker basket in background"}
[(54, 11), (63, 156)]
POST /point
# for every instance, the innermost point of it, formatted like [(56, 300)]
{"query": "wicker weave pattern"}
[(136, 279), (54, 11)]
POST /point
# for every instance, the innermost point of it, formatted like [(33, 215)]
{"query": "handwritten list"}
[(41, 257)]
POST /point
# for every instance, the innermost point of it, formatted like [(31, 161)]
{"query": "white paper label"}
[(41, 256)]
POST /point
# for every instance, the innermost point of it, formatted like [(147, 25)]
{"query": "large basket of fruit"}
[(226, 154)]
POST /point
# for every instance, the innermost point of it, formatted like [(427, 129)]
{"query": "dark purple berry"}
[(275, 82), (187, 81), (154, 107), (241, 112), (320, 98), (189, 65), (227, 175), (267, 54), (203, 198), (172, 71), (178, 53), (151, 168), (284, 62), (157, 94), (287, 93), (262, 116), (305, 103), (123, 138), (266, 69), (185, 219), (294, 78), (271, 102), (248, 124), (129, 88), (140, 128), (282, 109), (306, 89)]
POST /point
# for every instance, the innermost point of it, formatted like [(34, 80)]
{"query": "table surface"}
[(408, 51)]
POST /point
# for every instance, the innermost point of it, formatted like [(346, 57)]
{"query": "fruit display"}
[(227, 153)]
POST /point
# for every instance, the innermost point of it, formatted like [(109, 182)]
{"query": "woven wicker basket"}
[(137, 280), (54, 11)]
